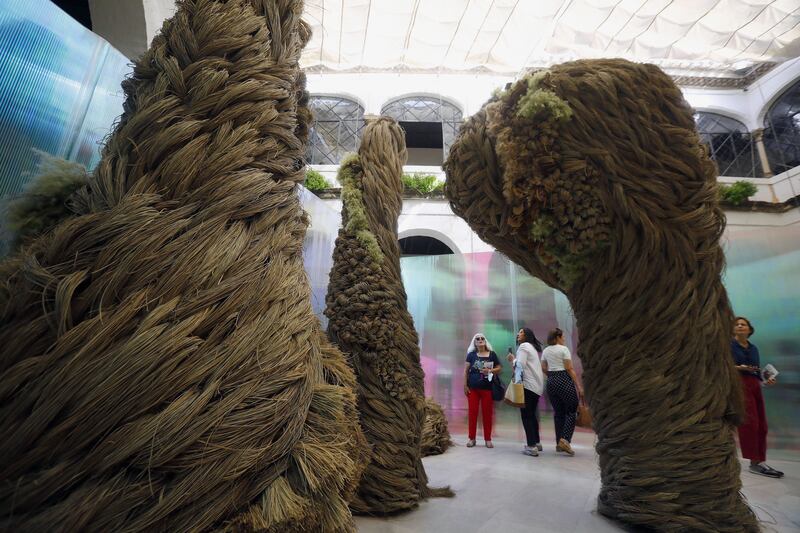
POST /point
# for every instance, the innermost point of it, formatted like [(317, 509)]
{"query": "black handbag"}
[(498, 389)]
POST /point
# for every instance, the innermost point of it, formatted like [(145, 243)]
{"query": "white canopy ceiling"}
[(709, 38)]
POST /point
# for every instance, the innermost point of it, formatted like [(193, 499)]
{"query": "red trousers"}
[(753, 431), (484, 398)]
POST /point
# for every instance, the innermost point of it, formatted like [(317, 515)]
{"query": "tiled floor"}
[(502, 491)]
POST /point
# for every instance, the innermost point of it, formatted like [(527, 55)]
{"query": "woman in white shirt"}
[(533, 384), (563, 388)]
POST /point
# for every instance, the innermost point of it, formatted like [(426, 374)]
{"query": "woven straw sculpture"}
[(162, 369), (366, 305), (435, 435), (46, 201), (591, 176)]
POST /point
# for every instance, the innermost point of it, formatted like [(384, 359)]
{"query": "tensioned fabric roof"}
[(733, 39)]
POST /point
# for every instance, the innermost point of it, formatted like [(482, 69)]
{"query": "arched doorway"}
[(417, 245)]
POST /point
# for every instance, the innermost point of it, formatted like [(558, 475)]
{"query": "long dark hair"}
[(531, 338)]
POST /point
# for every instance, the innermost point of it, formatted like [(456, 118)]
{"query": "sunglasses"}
[(480, 339)]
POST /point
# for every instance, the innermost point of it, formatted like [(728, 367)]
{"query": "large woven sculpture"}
[(591, 176), (161, 366), (435, 435), (366, 305)]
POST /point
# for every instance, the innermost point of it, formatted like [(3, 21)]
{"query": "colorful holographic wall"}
[(763, 282), (451, 297)]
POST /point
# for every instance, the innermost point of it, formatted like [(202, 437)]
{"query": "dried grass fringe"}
[(435, 436), (369, 320), (162, 368), (615, 203)]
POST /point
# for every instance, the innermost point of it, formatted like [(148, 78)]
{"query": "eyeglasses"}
[(480, 339)]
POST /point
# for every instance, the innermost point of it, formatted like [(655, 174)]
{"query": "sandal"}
[(470, 443), (489, 444)]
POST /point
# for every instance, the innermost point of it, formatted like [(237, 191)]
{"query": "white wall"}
[(155, 13), (434, 218), (746, 105), (122, 23), (426, 156)]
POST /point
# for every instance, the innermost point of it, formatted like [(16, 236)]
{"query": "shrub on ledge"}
[(737, 193), (423, 183), (316, 181)]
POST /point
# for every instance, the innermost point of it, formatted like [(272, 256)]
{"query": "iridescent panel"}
[(451, 297), (59, 89)]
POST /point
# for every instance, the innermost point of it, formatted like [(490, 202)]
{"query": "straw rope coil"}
[(366, 305), (592, 177), (435, 435), (162, 369)]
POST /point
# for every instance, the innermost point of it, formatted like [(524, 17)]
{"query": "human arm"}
[(521, 357), (571, 371), (466, 378)]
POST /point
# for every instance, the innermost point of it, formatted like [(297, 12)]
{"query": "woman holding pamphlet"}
[(481, 366), (753, 431)]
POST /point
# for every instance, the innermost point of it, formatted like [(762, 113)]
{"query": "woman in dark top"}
[(753, 431), (481, 363)]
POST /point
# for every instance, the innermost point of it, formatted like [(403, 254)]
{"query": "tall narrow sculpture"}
[(161, 367), (591, 176), (366, 305)]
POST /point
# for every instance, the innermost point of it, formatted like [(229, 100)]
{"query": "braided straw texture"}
[(162, 369), (591, 176), (366, 305), (435, 435)]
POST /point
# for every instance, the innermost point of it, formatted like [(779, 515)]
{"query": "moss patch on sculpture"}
[(538, 100), (553, 203), (352, 199)]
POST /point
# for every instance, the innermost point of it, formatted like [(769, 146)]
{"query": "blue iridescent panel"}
[(59, 89)]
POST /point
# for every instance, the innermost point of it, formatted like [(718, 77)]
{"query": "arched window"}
[(335, 130), (782, 131), (730, 144), (431, 125)]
